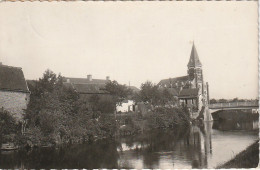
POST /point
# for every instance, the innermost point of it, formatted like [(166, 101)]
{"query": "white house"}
[(126, 106), (14, 93)]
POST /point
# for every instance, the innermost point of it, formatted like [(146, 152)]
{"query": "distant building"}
[(86, 87), (14, 93), (190, 89), (126, 106)]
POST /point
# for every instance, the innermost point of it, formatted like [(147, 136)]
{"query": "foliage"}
[(8, 127), (166, 118), (159, 118), (119, 92), (150, 93), (57, 115), (107, 125), (103, 104), (212, 101)]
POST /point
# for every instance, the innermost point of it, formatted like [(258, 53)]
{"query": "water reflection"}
[(235, 125), (190, 147)]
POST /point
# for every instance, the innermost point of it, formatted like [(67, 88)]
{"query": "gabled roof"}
[(12, 79), (194, 58), (187, 93), (171, 82)]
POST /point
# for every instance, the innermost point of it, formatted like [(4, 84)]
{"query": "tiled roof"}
[(12, 79), (189, 93), (171, 82), (194, 58), (85, 80), (86, 88)]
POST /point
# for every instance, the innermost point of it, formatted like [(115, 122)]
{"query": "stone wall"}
[(14, 102)]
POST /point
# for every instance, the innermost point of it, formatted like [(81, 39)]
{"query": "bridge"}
[(234, 105), (214, 108)]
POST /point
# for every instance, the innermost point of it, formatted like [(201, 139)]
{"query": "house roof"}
[(187, 93), (171, 82), (84, 80), (194, 58), (12, 79), (86, 88)]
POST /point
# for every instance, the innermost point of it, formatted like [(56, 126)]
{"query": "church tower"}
[(195, 70), (196, 76)]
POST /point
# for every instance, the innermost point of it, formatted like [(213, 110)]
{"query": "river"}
[(204, 146)]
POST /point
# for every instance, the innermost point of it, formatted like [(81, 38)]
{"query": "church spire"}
[(194, 58)]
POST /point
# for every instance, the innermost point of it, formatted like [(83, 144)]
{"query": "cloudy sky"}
[(135, 41)]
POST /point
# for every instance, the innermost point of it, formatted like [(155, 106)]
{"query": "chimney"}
[(107, 78), (89, 77)]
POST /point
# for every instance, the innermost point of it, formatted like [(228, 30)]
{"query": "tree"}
[(118, 92), (8, 126), (56, 114), (94, 102), (149, 93), (167, 98), (222, 101), (212, 101), (235, 100)]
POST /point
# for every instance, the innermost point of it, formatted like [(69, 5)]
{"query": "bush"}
[(166, 118), (9, 128)]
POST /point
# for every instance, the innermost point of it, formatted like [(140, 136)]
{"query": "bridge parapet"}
[(234, 104)]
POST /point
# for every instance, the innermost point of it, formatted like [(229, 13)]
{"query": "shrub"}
[(8, 127)]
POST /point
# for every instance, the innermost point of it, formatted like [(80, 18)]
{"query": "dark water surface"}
[(194, 147)]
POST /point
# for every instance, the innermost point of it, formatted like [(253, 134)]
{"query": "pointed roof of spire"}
[(194, 58)]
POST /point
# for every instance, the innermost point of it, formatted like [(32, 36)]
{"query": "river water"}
[(204, 146)]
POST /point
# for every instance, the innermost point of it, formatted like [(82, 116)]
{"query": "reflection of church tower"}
[(195, 73)]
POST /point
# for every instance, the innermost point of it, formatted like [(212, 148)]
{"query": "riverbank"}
[(248, 158)]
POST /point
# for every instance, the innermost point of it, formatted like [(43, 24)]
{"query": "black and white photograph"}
[(129, 85)]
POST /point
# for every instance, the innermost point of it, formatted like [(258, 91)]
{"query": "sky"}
[(133, 42)]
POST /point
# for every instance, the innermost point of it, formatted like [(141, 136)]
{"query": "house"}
[(14, 92), (190, 89), (86, 87), (126, 106)]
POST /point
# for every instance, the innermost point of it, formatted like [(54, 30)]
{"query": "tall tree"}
[(118, 92), (150, 93)]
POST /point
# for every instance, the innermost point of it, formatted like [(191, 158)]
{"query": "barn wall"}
[(14, 102)]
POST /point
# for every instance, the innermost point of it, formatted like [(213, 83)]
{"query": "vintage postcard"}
[(129, 85)]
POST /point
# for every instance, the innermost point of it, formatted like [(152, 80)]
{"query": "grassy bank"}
[(249, 158)]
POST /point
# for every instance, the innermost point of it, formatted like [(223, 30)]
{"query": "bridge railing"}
[(234, 104)]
